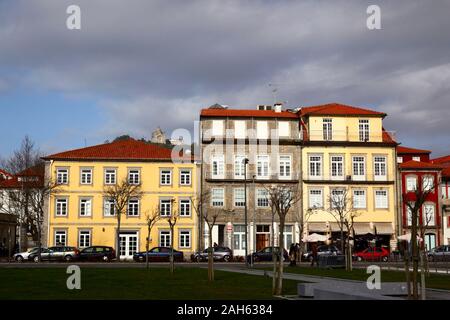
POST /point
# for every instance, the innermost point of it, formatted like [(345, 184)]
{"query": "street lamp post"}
[(254, 219), (245, 211)]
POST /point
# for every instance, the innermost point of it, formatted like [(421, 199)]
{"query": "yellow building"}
[(80, 215), (346, 150)]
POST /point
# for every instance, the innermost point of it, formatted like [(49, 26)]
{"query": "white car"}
[(21, 256)]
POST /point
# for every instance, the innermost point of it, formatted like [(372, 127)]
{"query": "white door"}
[(128, 245)]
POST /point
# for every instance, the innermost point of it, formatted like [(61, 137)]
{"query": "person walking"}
[(314, 254), (292, 255)]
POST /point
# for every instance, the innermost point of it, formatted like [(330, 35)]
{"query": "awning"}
[(383, 228), (362, 228), (334, 226), (317, 226)]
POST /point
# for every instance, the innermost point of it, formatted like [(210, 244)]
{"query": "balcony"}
[(350, 179), (347, 136), (229, 176)]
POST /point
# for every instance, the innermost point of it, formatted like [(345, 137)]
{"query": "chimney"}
[(277, 107)]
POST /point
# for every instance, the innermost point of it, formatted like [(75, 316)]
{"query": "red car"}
[(372, 254)]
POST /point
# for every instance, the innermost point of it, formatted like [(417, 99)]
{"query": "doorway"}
[(128, 244)]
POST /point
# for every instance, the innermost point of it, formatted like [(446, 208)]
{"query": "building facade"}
[(269, 139), (81, 215), (347, 153), (445, 196), (418, 173)]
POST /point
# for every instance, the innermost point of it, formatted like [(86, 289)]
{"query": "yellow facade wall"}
[(102, 227)]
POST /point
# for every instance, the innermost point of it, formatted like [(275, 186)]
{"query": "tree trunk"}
[(279, 280), (147, 245), (118, 237), (274, 256), (415, 257), (408, 278), (172, 264), (422, 275), (210, 256), (39, 241)]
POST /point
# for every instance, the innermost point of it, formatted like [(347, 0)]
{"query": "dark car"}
[(58, 253), (219, 254), (97, 253), (440, 253), (265, 254), (323, 250), (158, 254)]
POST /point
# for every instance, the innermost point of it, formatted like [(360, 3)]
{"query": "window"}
[(327, 129), (185, 177), (411, 183), (217, 128), (262, 131), (427, 183), (239, 237), (60, 238), (239, 129), (61, 207), (110, 176), (185, 208), (62, 176), (86, 176), (288, 236), (429, 214), (239, 167), (166, 177), (164, 239), (337, 167), (262, 165), (399, 159), (285, 167), (185, 239), (337, 199), (379, 168), (284, 129), (359, 199), (315, 198), (408, 216), (315, 166), (133, 176), (84, 238), (85, 207), (364, 130), (133, 208), (416, 159), (217, 166), (381, 199), (165, 207), (109, 208), (218, 195), (359, 168), (239, 197), (262, 198)]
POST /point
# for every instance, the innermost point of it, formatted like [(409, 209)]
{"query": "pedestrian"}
[(314, 254), (292, 255)]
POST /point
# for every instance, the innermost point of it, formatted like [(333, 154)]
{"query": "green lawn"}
[(132, 283), (436, 281)]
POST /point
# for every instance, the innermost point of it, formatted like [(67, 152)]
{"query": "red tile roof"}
[(334, 109), (6, 174), (119, 150), (419, 165), (247, 113), (446, 172), (387, 137), (444, 159), (445, 162), (20, 180), (407, 150)]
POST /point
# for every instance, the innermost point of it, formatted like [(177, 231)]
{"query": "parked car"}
[(97, 253), (219, 254), (23, 256), (324, 250), (58, 253), (440, 253), (158, 254), (372, 254), (265, 254)]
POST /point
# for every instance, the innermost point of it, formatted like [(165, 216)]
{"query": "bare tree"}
[(197, 204), (303, 221), (281, 200), (120, 195), (151, 219), (172, 220), (25, 157), (341, 207), (414, 201)]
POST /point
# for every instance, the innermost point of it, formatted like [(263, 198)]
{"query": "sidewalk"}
[(342, 284)]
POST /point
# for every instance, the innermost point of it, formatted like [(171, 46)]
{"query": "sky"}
[(137, 65)]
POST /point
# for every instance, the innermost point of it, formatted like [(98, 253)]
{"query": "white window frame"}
[(327, 127), (315, 198), (262, 130), (87, 204), (262, 198), (217, 167), (357, 169), (58, 236), (337, 192), (110, 176), (284, 166), (409, 186), (239, 166), (165, 177), (380, 168), (428, 186), (408, 216), (62, 176), (61, 207), (165, 207), (364, 130), (381, 201), (426, 212), (315, 166), (416, 159), (399, 159), (132, 174), (185, 208), (133, 208), (238, 197), (217, 197), (167, 238), (109, 205), (185, 177), (183, 236), (86, 175), (359, 198), (84, 238), (337, 167), (262, 166), (240, 129)]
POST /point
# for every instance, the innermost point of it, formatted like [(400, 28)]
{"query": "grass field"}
[(132, 283), (435, 281)]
